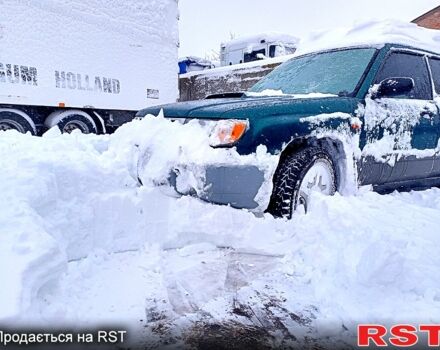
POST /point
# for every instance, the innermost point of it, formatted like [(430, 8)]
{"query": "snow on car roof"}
[(373, 33)]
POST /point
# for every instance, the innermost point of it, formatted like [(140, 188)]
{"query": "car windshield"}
[(332, 72)]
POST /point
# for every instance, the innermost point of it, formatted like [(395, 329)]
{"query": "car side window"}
[(408, 65), (435, 69)]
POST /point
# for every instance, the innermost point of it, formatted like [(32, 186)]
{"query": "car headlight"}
[(227, 132)]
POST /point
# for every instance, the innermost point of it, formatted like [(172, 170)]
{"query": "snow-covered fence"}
[(239, 77)]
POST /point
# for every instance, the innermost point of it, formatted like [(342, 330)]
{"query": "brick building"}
[(430, 19)]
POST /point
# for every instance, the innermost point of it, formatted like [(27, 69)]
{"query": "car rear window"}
[(435, 68)]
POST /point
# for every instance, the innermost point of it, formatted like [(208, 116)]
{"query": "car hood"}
[(245, 107)]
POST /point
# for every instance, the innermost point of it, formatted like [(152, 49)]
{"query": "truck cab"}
[(254, 48)]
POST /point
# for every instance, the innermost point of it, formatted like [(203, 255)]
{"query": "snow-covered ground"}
[(82, 244)]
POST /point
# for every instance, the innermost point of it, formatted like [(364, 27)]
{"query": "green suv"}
[(365, 115)]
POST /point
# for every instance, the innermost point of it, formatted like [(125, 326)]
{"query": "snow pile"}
[(76, 225), (159, 146), (47, 203), (64, 196)]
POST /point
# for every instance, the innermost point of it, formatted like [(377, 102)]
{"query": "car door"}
[(434, 63), (401, 132)]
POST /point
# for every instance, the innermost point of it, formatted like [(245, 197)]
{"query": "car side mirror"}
[(394, 87)]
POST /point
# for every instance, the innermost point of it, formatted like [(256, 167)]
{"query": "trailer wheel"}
[(69, 121), (11, 119)]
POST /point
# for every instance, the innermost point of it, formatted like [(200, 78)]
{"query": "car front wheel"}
[(298, 176)]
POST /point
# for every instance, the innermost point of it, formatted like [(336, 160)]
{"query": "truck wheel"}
[(16, 120), (69, 121), (77, 122), (297, 177)]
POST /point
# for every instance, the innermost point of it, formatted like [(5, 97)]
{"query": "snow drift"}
[(82, 243), (75, 224)]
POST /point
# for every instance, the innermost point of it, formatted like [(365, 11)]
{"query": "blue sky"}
[(205, 23)]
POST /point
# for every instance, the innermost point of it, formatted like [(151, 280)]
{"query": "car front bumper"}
[(237, 186)]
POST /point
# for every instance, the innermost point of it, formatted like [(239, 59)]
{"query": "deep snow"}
[(82, 243)]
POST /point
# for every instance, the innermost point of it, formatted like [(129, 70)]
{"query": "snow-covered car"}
[(367, 114)]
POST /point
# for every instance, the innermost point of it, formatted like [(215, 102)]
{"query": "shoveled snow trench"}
[(82, 244)]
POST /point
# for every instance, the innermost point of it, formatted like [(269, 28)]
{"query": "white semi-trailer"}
[(85, 64)]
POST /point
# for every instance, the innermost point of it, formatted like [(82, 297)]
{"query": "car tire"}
[(297, 176), (16, 120)]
